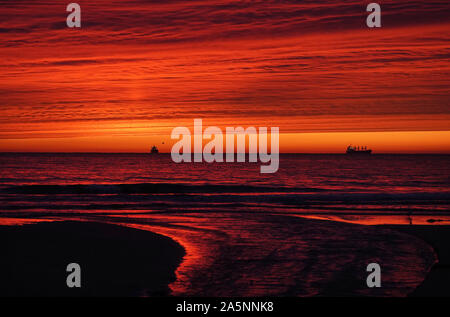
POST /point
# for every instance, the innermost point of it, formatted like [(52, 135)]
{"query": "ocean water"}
[(313, 184), (302, 231)]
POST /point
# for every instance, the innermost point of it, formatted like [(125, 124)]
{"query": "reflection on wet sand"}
[(257, 255)]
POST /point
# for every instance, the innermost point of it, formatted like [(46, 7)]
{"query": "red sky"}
[(136, 69)]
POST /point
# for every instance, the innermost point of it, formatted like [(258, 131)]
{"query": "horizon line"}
[(303, 153)]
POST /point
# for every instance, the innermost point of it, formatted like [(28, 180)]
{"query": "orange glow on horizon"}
[(437, 142)]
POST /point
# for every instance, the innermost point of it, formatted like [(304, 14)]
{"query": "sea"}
[(310, 229)]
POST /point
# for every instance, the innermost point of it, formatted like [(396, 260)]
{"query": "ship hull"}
[(360, 152)]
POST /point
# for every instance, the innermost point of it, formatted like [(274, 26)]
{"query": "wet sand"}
[(114, 260), (257, 254), (437, 282), (121, 261)]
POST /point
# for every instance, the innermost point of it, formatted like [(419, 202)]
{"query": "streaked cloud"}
[(301, 65)]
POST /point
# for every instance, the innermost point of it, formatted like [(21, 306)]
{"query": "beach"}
[(120, 261)]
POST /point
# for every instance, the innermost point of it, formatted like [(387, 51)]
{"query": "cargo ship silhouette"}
[(357, 150)]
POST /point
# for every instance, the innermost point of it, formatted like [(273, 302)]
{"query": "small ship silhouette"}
[(154, 150)]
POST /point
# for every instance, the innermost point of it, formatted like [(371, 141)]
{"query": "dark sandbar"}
[(437, 282), (114, 260)]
